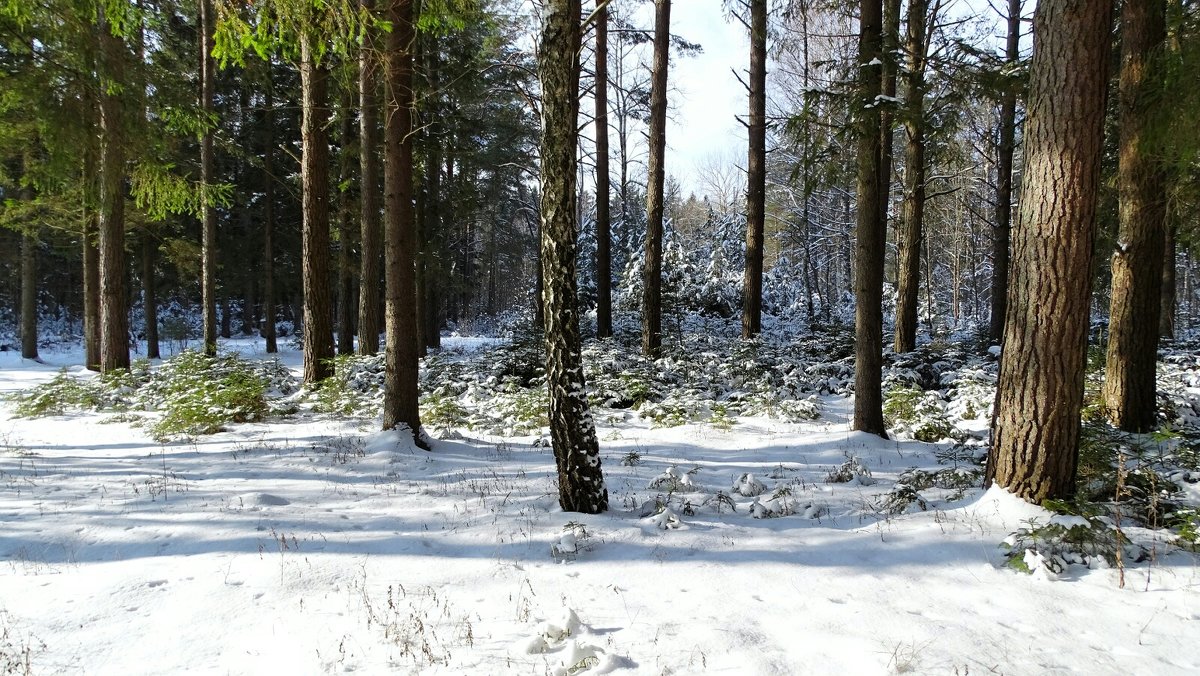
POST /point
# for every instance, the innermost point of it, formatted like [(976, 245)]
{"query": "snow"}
[(313, 544)]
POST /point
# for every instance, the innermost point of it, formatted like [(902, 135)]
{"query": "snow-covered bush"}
[(1081, 538), (917, 413), (200, 395)]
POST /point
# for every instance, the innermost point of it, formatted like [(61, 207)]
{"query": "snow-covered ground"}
[(312, 544)]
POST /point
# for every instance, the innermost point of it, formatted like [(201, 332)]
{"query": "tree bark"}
[(114, 314), (318, 319), (346, 209), (29, 292), (1167, 317), (887, 105), (1036, 429), (150, 294), (1004, 171), (756, 172), (603, 203), (208, 251), (400, 401), (371, 233), (1137, 264), (869, 253), (913, 212), (652, 266), (268, 300), (91, 290), (572, 432)]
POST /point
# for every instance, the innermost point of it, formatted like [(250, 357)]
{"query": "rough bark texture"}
[(603, 203), (114, 315), (912, 215), (1004, 183), (652, 267), (314, 176), (1137, 264), (1036, 429), (756, 172), (870, 242), (572, 432), (268, 300), (371, 233), (400, 405), (208, 216), (150, 294)]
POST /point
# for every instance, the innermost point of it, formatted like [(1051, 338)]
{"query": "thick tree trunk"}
[(1137, 264), (114, 314), (913, 213), (268, 327), (756, 172), (1036, 429), (603, 202), (208, 216), (572, 432), (1004, 183), (318, 318), (868, 259), (371, 234), (652, 267), (150, 294), (400, 401)]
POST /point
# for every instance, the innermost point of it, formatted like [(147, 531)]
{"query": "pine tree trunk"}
[(91, 291), (150, 294), (603, 202), (1036, 429), (346, 208), (428, 259), (887, 108), (572, 432), (318, 318), (268, 327), (400, 402), (652, 267), (1004, 184), (208, 251), (1137, 264), (29, 292), (869, 252), (756, 172), (913, 213), (371, 232), (114, 315), (1166, 320)]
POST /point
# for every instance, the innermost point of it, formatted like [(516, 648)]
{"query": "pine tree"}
[(756, 192), (652, 266)]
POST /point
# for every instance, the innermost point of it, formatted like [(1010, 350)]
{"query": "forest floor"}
[(312, 543)]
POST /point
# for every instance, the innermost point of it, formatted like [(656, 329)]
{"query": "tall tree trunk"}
[(318, 318), (114, 315), (208, 244), (429, 256), (572, 432), (346, 208), (29, 293), (868, 259), (368, 140), (268, 327), (887, 107), (91, 290), (1004, 170), (1036, 429), (913, 213), (603, 202), (756, 172), (652, 267), (1166, 320), (150, 294), (1137, 264), (400, 402)]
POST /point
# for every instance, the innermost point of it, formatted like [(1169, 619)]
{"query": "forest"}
[(384, 335)]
